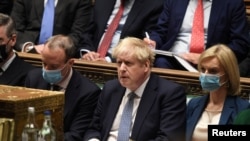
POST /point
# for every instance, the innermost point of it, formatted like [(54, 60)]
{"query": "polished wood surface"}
[(15, 100)]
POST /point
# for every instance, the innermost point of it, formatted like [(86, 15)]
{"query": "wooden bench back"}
[(100, 72)]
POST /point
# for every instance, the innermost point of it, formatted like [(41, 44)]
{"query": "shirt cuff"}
[(27, 46), (82, 51)]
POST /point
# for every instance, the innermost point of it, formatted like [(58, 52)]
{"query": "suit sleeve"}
[(83, 113)]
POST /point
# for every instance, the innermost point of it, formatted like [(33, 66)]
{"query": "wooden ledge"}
[(100, 72)]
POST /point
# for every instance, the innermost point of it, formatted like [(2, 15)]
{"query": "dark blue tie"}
[(47, 21), (126, 119)]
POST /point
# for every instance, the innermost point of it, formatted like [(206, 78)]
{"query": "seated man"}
[(68, 17), (80, 93), (155, 108), (103, 35), (221, 22), (13, 69)]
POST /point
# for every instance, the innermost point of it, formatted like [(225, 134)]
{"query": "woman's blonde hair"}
[(228, 61)]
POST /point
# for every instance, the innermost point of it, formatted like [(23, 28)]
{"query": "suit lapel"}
[(69, 93), (39, 7), (147, 100), (135, 10), (198, 110), (227, 111), (105, 12), (214, 18), (10, 73), (116, 98)]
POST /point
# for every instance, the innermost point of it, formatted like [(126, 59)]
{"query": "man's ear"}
[(71, 61), (13, 39)]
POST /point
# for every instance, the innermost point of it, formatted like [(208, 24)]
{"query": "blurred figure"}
[(81, 94), (159, 105), (244, 66), (219, 75), (13, 70), (137, 17), (222, 22), (71, 17)]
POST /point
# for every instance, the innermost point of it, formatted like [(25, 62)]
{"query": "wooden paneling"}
[(100, 72)]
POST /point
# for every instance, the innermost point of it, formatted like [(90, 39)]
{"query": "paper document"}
[(180, 60)]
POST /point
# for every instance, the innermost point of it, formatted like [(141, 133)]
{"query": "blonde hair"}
[(137, 47), (228, 61)]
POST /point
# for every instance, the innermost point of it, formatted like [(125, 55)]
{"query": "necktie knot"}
[(131, 96)]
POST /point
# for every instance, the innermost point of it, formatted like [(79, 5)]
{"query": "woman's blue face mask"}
[(210, 82), (52, 76)]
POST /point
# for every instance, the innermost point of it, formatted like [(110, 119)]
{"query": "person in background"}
[(219, 75), (6, 6), (159, 106), (138, 16), (13, 69), (71, 17), (57, 73), (244, 66), (243, 118), (224, 22)]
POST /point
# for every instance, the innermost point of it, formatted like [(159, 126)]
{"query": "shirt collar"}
[(65, 83), (8, 62), (139, 91)]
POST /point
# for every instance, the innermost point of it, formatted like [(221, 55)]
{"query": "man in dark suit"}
[(80, 93), (71, 18), (159, 105), (138, 17), (13, 69), (224, 22)]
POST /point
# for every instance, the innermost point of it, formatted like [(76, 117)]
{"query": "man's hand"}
[(93, 56), (151, 43), (191, 57)]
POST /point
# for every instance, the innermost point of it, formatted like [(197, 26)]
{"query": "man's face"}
[(6, 44), (131, 72), (4, 39), (54, 59)]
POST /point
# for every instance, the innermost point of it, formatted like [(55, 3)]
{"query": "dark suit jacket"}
[(142, 17), (227, 25), (6, 6), (160, 115), (232, 106), (71, 18), (244, 66), (81, 96), (16, 73)]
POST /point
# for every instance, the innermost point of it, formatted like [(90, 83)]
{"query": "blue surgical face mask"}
[(210, 82), (52, 76)]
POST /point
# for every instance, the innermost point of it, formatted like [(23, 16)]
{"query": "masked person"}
[(57, 74), (219, 75), (13, 70)]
